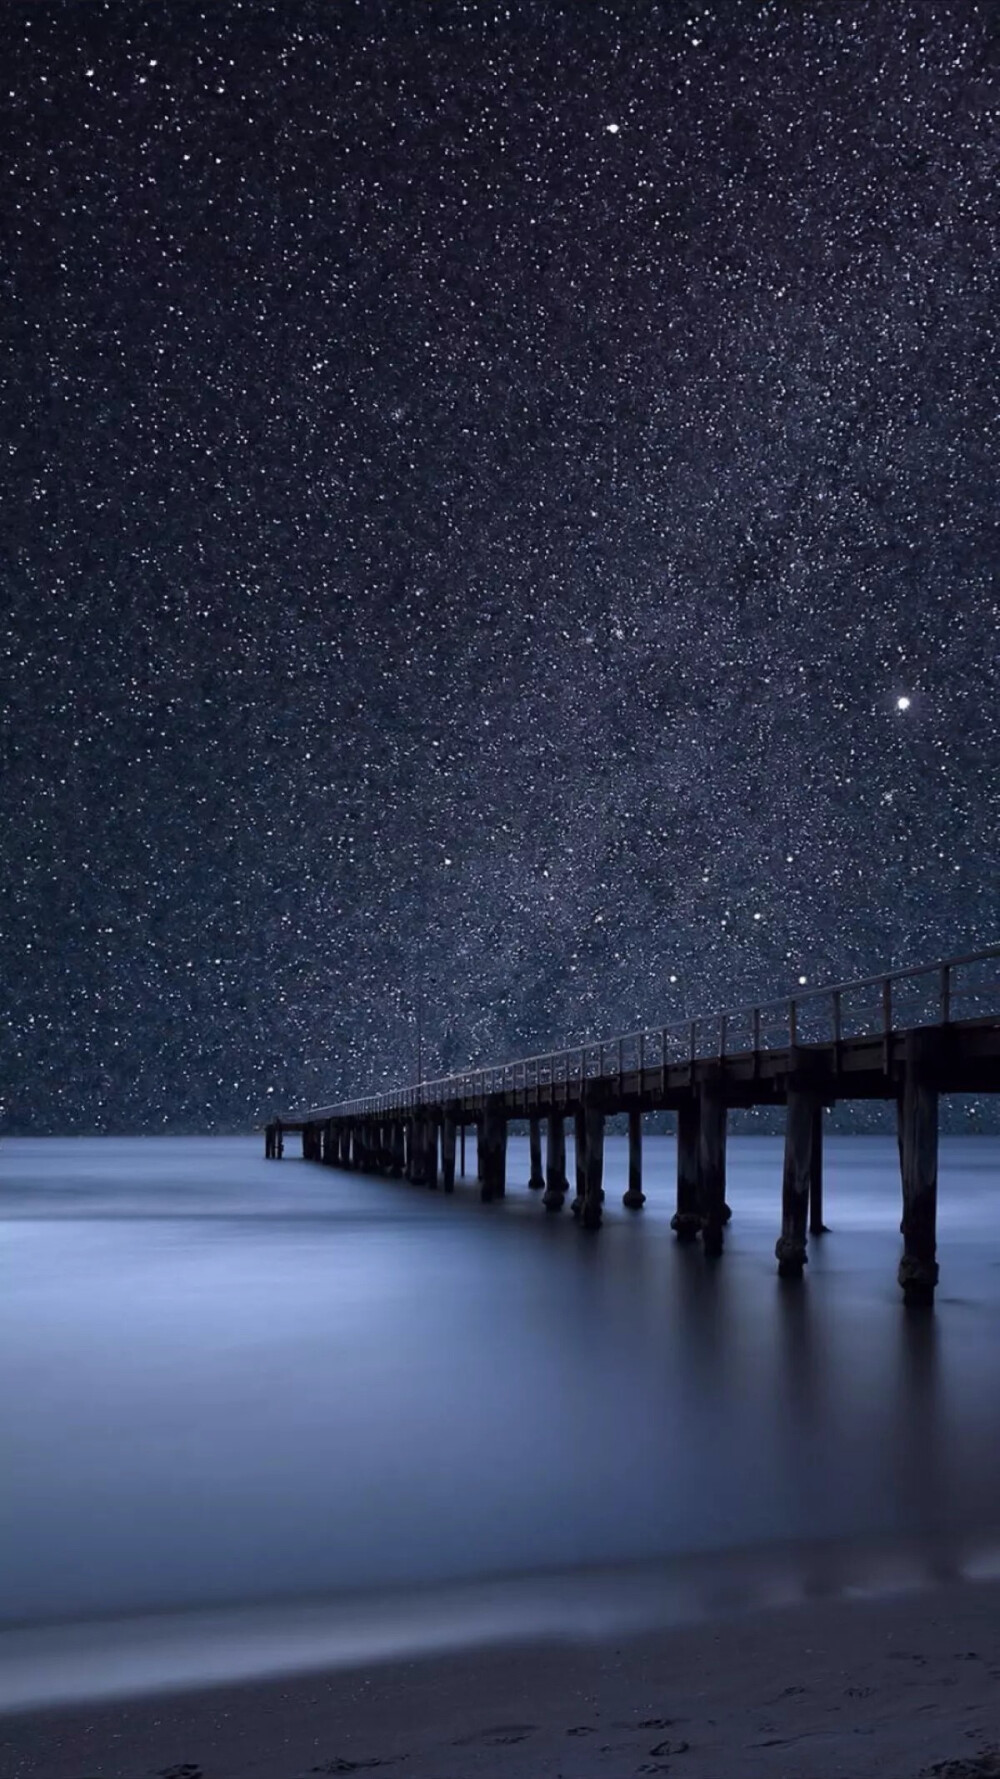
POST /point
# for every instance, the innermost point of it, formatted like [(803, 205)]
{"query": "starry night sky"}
[(478, 481)]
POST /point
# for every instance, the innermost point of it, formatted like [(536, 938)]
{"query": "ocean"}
[(259, 1415)]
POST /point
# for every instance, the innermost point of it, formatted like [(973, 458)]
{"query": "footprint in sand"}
[(981, 1766), (339, 1765), (501, 1737), (187, 1770)]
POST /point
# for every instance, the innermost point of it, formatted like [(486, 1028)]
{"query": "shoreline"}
[(49, 1664), (852, 1687)]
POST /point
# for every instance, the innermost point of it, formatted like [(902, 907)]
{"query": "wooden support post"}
[(398, 1149), (634, 1198), (448, 1152), (493, 1152), (593, 1198), (345, 1145), (686, 1220), (536, 1181), (790, 1248), (414, 1160), (431, 1152), (712, 1166), (500, 1159), (918, 1130), (279, 1141), (555, 1162), (479, 1149), (461, 1158), (816, 1224), (268, 1143), (580, 1168)]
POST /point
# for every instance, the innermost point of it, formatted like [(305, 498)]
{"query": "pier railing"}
[(940, 993)]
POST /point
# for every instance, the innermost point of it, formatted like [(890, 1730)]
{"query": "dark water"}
[(238, 1386)]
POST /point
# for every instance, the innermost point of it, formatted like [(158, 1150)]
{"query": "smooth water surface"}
[(228, 1380)]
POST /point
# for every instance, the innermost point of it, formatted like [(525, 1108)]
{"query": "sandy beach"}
[(895, 1687)]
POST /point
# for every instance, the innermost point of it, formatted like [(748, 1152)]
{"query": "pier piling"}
[(712, 1166), (448, 1133), (493, 1151), (536, 1181), (413, 1156), (816, 1224), (431, 1152), (686, 1220), (593, 1180), (800, 1147), (918, 1129), (579, 1159), (556, 1184), (634, 1198)]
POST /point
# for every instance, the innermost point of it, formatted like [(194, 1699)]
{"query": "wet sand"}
[(895, 1687)]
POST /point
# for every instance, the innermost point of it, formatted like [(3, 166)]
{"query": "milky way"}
[(499, 509)]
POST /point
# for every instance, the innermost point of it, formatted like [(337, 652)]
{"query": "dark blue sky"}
[(478, 482)]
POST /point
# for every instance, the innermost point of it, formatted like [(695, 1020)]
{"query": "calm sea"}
[(258, 1414)]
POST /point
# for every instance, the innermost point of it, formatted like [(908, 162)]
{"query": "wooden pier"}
[(907, 1037)]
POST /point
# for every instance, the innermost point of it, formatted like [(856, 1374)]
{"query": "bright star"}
[(903, 703), (612, 129)]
